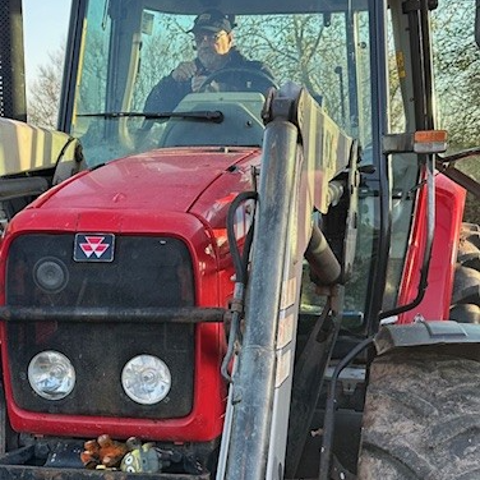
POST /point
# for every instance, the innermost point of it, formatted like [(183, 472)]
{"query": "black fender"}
[(449, 337)]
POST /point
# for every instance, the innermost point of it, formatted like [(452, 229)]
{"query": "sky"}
[(45, 24)]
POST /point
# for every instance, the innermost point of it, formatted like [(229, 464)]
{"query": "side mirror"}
[(477, 23)]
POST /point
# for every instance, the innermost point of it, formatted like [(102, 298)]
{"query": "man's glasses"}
[(201, 37)]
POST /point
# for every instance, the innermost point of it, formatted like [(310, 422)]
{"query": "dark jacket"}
[(168, 93)]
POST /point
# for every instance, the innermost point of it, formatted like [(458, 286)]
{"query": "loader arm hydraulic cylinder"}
[(252, 406), (298, 164)]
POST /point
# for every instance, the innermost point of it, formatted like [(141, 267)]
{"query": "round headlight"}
[(146, 379), (51, 375), (51, 275)]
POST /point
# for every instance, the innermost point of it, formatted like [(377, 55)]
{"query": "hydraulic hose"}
[(240, 263), (322, 260)]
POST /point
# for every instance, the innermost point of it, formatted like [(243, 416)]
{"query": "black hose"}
[(239, 261), (329, 422), (427, 256)]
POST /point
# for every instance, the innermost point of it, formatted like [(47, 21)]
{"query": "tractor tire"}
[(466, 288), (421, 419)]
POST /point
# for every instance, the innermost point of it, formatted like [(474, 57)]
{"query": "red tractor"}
[(262, 282)]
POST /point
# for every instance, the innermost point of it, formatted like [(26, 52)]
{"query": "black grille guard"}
[(113, 314)]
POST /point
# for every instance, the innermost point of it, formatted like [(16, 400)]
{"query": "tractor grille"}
[(145, 272)]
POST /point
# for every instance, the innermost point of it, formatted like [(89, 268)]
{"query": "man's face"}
[(212, 47)]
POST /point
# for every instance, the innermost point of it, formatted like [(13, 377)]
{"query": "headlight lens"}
[(51, 275), (146, 379), (51, 375)]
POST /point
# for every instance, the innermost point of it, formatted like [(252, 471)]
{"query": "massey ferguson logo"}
[(94, 247)]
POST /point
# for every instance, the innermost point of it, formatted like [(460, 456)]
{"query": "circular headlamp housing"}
[(50, 274), (146, 379), (51, 375)]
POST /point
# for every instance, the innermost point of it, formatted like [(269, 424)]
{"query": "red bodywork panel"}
[(179, 193), (449, 205)]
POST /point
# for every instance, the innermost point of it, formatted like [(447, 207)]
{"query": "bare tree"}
[(457, 61), (44, 92)]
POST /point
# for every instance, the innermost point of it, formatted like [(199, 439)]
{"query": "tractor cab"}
[(111, 96), (229, 235), (117, 103)]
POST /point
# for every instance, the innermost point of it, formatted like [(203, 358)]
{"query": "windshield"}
[(134, 52)]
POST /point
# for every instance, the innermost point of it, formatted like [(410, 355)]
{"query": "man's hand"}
[(184, 71), (197, 82), (188, 71)]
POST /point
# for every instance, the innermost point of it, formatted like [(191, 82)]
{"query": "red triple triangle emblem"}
[(94, 246)]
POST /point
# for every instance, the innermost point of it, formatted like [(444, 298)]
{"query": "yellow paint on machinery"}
[(26, 148)]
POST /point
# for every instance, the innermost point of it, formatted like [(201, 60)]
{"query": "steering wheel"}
[(237, 70)]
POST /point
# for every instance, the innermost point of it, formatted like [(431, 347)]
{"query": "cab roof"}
[(253, 7)]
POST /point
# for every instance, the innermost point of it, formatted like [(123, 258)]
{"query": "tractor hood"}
[(162, 180)]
